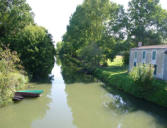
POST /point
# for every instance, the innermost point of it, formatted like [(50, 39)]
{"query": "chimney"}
[(139, 44)]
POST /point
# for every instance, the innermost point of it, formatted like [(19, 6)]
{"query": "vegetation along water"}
[(81, 105), (26, 49)]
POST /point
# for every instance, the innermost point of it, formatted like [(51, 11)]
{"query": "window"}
[(144, 54), (155, 69), (135, 54), (154, 55)]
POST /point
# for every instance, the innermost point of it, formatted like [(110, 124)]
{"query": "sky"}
[(54, 15)]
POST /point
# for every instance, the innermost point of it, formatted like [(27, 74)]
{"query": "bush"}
[(126, 55), (10, 78), (142, 76), (139, 83), (36, 50)]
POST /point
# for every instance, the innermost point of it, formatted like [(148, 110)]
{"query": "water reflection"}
[(59, 114), (82, 105), (22, 114), (86, 103), (73, 74), (119, 102), (93, 107), (119, 105), (125, 103), (90, 106)]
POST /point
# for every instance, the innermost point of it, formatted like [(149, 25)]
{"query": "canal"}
[(81, 105)]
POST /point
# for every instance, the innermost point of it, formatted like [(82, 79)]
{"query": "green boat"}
[(32, 91), (29, 93)]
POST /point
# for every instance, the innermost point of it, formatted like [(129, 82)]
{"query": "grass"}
[(118, 61), (117, 76)]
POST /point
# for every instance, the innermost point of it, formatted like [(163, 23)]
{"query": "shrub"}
[(126, 57), (142, 75), (10, 78), (36, 50), (149, 89)]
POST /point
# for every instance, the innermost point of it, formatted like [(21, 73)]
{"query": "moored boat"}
[(29, 93)]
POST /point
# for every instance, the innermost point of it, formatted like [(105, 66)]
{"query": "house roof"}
[(150, 47)]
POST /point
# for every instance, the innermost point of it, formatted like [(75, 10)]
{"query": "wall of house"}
[(165, 68), (131, 60), (159, 61)]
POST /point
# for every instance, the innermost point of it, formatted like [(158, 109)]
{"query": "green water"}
[(81, 105)]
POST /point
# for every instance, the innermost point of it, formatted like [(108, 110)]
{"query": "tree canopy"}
[(147, 22), (36, 50), (14, 16), (33, 43), (101, 29)]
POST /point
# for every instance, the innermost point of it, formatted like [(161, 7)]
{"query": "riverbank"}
[(10, 83), (117, 76)]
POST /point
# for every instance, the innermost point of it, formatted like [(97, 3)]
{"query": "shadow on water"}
[(126, 103)]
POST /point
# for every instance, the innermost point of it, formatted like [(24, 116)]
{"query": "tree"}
[(113, 40), (36, 50), (146, 22), (87, 26), (14, 16), (117, 22)]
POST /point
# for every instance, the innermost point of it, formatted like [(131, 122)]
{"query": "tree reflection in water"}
[(92, 106)]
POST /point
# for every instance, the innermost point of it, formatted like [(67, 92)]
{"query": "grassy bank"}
[(117, 76)]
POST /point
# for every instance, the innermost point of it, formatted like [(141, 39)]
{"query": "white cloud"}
[(122, 2), (163, 3)]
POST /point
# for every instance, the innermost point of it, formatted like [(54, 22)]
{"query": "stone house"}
[(155, 55)]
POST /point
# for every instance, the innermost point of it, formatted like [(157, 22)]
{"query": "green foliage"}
[(14, 16), (126, 56), (10, 78), (142, 75), (117, 22), (99, 30), (36, 50), (111, 30), (92, 55), (118, 77), (146, 22), (9, 60), (33, 43), (87, 38)]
